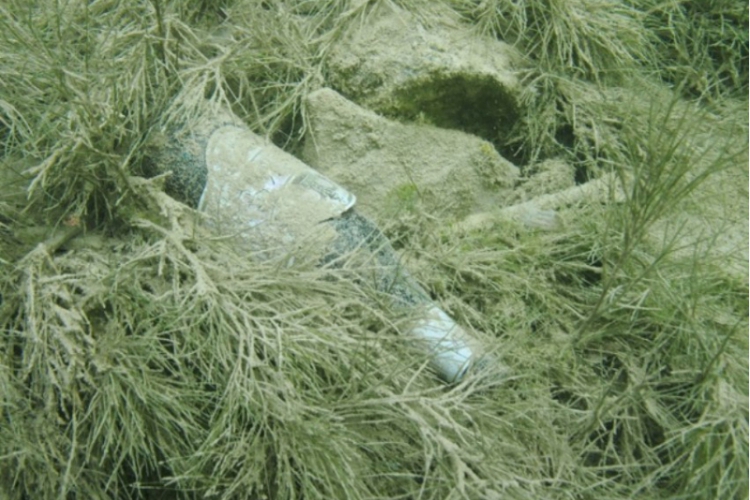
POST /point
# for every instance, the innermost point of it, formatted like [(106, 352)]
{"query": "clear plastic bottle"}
[(268, 200)]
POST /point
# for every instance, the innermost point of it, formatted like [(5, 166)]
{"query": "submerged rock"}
[(432, 68), (380, 159)]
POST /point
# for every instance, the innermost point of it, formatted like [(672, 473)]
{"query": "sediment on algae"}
[(143, 356)]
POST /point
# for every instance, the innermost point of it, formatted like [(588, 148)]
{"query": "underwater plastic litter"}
[(272, 203)]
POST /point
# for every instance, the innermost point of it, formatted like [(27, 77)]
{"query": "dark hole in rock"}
[(477, 105)]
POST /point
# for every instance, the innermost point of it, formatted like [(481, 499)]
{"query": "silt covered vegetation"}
[(141, 356)]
